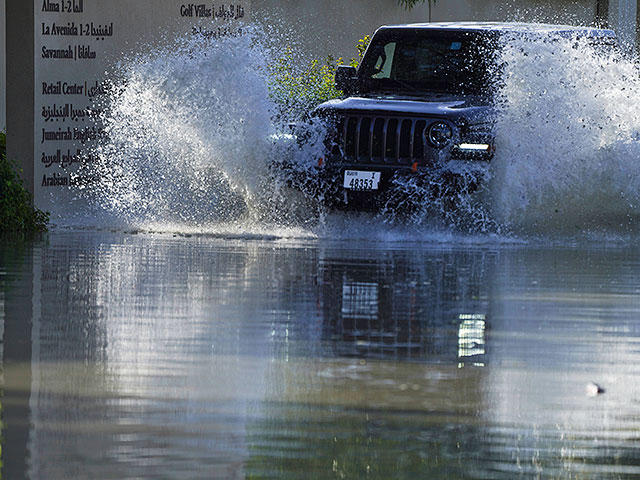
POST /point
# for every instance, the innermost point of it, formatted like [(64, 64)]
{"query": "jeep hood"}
[(443, 106)]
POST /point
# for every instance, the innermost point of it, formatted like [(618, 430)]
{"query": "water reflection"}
[(422, 306), (141, 356)]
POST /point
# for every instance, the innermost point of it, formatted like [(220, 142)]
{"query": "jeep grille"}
[(376, 139)]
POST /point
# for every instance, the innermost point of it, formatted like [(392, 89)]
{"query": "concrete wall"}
[(581, 12), (20, 84), (623, 19), (331, 27)]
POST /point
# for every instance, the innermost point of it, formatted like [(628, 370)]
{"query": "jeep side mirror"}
[(346, 78)]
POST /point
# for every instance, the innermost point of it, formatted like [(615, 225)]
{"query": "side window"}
[(384, 62)]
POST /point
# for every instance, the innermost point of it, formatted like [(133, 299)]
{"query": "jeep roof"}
[(505, 27)]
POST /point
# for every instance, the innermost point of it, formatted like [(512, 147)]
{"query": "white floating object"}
[(593, 389)]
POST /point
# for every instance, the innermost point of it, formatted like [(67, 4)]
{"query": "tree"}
[(409, 4)]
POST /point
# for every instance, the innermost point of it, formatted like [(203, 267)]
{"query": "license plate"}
[(361, 181), (360, 300)]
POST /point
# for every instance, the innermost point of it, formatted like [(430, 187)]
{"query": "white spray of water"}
[(568, 146), (187, 135)]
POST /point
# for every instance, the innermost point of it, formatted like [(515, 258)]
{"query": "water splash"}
[(187, 131), (568, 145), (451, 195), (191, 139)]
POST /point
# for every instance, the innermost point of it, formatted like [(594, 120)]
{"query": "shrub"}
[(17, 212), (298, 89)]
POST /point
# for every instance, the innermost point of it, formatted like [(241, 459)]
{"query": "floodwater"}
[(141, 355)]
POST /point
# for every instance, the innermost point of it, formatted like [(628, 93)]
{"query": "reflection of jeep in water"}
[(420, 106), (429, 306)]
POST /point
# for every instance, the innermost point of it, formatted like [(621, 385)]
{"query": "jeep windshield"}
[(418, 61)]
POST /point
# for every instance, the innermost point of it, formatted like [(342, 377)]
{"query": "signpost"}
[(75, 43)]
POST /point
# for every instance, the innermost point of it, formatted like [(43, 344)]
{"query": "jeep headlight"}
[(439, 134)]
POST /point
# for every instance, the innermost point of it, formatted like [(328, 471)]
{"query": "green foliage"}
[(17, 212), (362, 45), (297, 89)]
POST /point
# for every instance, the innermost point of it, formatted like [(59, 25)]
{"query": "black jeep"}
[(419, 107)]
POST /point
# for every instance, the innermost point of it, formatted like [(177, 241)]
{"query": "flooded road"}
[(162, 356)]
